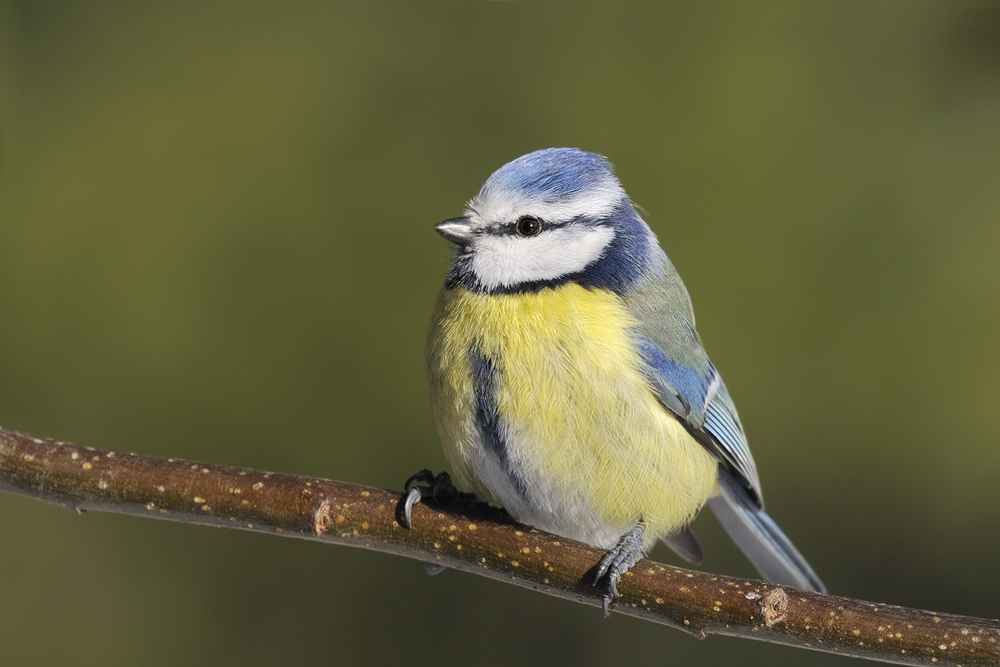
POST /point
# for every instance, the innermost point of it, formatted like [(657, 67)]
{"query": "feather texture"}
[(567, 379), (580, 427)]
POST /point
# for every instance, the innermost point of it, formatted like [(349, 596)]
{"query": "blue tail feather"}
[(759, 538)]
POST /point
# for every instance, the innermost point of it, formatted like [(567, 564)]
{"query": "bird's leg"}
[(618, 561)]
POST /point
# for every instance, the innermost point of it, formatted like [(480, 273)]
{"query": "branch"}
[(476, 538)]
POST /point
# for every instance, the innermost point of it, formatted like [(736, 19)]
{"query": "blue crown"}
[(552, 174)]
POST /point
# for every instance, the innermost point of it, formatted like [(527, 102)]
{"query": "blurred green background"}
[(217, 244)]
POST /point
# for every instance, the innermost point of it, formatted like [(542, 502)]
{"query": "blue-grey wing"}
[(699, 399), (687, 384)]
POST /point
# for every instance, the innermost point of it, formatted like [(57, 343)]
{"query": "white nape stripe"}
[(508, 260), (501, 205)]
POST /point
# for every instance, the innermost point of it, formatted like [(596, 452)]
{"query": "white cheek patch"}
[(505, 261)]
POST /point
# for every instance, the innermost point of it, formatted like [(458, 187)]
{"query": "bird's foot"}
[(435, 487), (617, 562)]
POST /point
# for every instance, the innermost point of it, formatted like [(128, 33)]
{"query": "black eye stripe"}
[(510, 228)]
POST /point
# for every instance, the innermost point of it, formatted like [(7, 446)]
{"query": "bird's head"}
[(549, 217)]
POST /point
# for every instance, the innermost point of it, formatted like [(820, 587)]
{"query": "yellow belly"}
[(595, 449)]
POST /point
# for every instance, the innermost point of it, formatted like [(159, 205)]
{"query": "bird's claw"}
[(414, 494), (426, 484), (617, 562), (413, 497)]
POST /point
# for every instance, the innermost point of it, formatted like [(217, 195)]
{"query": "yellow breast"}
[(584, 433)]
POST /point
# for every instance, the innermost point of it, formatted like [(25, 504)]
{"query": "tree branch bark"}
[(476, 538)]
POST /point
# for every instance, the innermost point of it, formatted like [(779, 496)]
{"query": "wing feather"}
[(698, 397)]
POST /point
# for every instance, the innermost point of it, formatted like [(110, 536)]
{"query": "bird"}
[(569, 385)]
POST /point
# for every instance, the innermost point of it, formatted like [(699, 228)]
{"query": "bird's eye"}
[(528, 225)]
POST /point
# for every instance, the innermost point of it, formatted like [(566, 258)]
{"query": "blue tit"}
[(569, 385)]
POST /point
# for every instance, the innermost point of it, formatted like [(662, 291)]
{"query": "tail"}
[(759, 538)]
